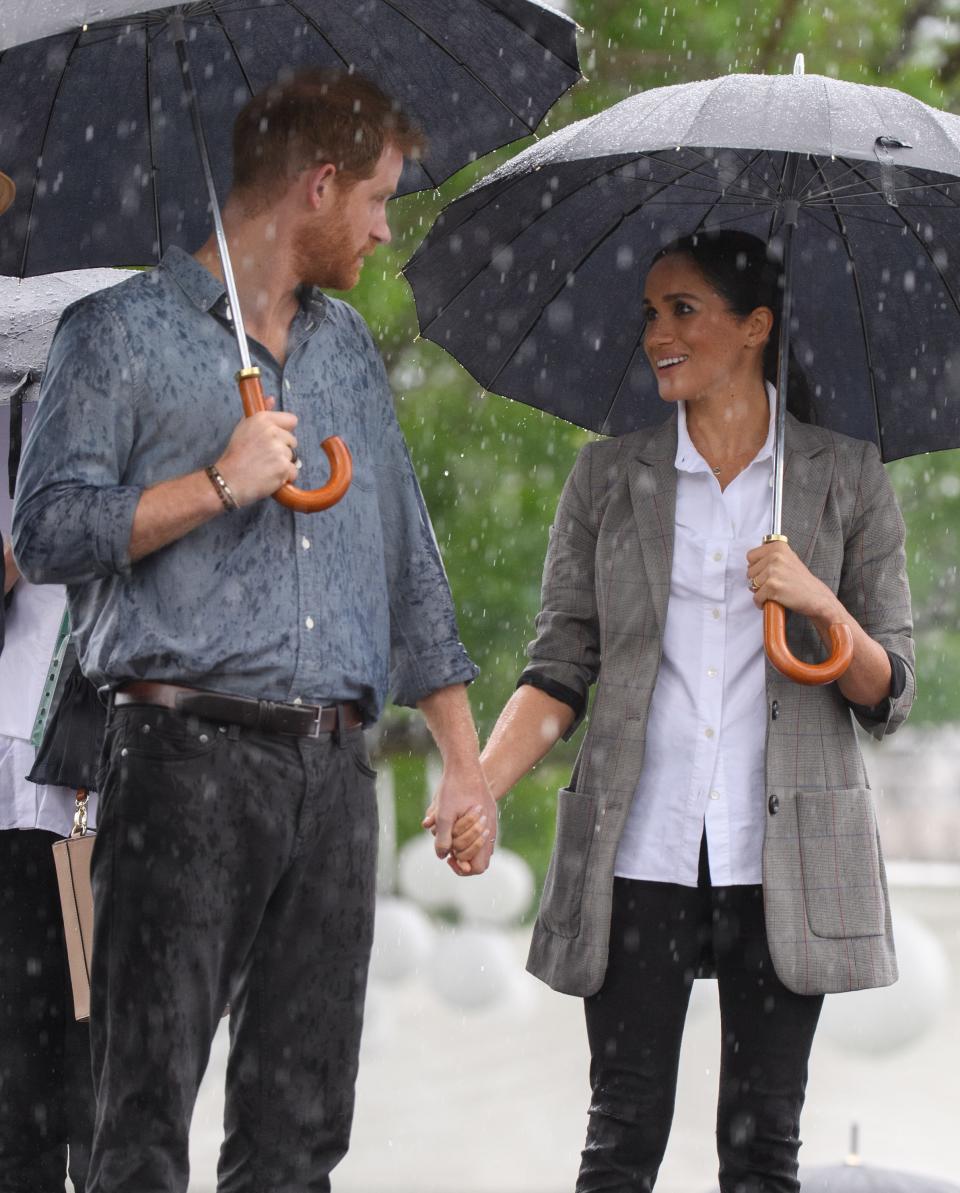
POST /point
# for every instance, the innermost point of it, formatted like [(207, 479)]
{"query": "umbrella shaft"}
[(791, 210), (180, 39)]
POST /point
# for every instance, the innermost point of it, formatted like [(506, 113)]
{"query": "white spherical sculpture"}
[(403, 939), (499, 896), (473, 967), (882, 1020), (423, 877)]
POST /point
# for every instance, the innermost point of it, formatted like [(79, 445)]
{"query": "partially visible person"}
[(719, 819), (46, 1082)]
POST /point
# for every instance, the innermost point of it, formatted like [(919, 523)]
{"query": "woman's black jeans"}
[(662, 935), (46, 1084)]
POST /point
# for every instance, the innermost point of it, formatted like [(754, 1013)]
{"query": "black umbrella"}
[(96, 95), (853, 1176), (533, 278)]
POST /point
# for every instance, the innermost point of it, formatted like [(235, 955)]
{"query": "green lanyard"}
[(50, 683)]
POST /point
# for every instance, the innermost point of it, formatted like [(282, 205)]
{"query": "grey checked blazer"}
[(605, 589)]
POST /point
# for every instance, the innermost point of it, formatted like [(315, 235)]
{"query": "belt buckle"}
[(314, 730)]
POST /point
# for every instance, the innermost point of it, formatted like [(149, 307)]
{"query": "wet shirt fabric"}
[(346, 604), (703, 768)]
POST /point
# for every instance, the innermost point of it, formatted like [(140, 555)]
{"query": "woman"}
[(719, 817)]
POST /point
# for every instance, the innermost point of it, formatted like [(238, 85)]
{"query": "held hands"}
[(261, 455), (463, 819), (776, 573)]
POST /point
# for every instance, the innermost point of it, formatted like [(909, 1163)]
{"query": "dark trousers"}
[(46, 1089), (229, 867), (662, 935)]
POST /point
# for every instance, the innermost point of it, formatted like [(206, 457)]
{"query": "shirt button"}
[(712, 672), (708, 733), (305, 543), (774, 805), (717, 555), (715, 614), (714, 794), (309, 623), (774, 710), (286, 385)]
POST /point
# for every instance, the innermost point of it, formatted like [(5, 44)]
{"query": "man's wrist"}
[(223, 491)]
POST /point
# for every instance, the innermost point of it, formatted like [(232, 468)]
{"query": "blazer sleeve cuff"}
[(559, 692)]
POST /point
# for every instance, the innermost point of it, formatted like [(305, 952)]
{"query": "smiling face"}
[(697, 346), (350, 222)]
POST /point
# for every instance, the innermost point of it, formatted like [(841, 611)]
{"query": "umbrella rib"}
[(316, 28), (872, 189), (233, 50), (153, 164), (740, 156), (469, 70), (930, 257), (540, 215), (516, 24), (637, 342), (43, 142), (858, 290), (320, 32)]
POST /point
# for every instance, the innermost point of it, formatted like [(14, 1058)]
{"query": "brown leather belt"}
[(299, 720)]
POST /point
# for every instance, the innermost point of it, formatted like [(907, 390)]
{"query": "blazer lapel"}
[(806, 481), (652, 478)]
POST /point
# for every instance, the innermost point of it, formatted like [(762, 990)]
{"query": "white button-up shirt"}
[(703, 768)]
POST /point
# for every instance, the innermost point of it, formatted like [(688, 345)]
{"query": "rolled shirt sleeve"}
[(565, 655), (426, 653), (875, 590), (73, 514)]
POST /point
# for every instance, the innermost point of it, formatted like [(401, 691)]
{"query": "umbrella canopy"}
[(864, 1178), (29, 313), (97, 138), (533, 279)]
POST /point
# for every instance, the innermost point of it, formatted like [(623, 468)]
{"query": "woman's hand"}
[(471, 832), (776, 573)]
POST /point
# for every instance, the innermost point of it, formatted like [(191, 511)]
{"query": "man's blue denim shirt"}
[(345, 604)]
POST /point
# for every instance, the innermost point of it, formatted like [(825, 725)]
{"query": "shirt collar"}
[(688, 459), (206, 292)]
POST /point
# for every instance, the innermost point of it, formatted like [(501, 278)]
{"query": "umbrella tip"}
[(798, 65), (853, 1159)]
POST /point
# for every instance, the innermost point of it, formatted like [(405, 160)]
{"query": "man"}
[(244, 648)]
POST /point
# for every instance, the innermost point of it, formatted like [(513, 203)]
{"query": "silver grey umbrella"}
[(29, 313), (533, 278)]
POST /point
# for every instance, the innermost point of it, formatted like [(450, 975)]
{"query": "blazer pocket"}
[(563, 889), (840, 863)]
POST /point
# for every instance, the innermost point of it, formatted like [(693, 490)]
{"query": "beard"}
[(325, 255)]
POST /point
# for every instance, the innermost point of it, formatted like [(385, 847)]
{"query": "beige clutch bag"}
[(71, 857)]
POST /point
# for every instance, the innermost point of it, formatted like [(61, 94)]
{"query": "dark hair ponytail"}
[(747, 274)]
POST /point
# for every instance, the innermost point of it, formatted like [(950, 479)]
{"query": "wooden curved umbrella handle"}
[(304, 501), (775, 643)]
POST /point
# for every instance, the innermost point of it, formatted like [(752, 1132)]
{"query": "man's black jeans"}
[(230, 866), (661, 936), (46, 1090)]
